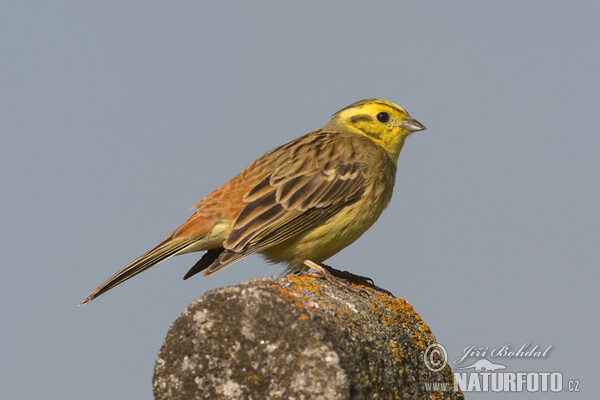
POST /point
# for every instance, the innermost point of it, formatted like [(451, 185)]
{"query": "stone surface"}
[(297, 337)]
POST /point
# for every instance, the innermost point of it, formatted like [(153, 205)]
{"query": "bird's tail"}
[(167, 248)]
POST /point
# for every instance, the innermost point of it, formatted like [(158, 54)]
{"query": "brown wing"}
[(317, 176)]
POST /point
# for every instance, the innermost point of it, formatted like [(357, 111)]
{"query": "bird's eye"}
[(383, 117)]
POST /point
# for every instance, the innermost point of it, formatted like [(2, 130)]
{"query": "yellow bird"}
[(300, 203)]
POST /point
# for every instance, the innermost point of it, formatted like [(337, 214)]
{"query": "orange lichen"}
[(253, 377), (398, 356), (300, 283), (294, 294), (403, 313)]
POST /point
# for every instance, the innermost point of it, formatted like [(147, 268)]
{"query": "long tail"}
[(167, 248)]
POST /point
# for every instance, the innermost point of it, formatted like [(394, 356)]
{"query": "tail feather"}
[(206, 261), (225, 259), (167, 248)]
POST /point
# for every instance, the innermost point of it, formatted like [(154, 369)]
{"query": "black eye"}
[(383, 117)]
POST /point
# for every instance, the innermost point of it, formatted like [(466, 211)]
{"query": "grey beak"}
[(412, 125)]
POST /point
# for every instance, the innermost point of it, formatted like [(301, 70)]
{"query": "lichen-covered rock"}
[(297, 337)]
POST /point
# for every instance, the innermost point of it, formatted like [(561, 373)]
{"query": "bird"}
[(298, 204)]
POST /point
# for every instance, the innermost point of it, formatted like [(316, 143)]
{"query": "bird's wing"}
[(314, 180)]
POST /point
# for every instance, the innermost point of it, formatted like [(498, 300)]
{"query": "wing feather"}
[(314, 178), (301, 210)]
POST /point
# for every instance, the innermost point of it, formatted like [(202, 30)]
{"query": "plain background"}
[(116, 117)]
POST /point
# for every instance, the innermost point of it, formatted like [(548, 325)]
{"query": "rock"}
[(297, 337)]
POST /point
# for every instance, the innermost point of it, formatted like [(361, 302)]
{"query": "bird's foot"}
[(341, 279)]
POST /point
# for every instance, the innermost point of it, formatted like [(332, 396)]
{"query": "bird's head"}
[(383, 122)]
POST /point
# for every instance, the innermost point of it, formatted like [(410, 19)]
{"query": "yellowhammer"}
[(300, 203)]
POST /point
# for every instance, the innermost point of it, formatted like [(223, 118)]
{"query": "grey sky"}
[(117, 117)]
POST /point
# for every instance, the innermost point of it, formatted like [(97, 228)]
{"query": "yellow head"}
[(383, 122)]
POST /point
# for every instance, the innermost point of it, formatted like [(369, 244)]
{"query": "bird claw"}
[(341, 279)]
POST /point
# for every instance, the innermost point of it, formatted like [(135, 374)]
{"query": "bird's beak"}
[(412, 125)]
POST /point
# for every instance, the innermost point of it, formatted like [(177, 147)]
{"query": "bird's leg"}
[(337, 277)]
